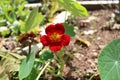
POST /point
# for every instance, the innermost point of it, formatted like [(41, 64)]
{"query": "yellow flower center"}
[(55, 37)]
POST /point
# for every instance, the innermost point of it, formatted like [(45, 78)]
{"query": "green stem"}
[(62, 78), (29, 47), (61, 63), (41, 72), (93, 75), (7, 57)]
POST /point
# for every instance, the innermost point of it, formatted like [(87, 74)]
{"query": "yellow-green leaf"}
[(73, 7)]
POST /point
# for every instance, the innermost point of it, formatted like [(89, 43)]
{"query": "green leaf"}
[(33, 75), (4, 31), (33, 21), (12, 16), (69, 29), (22, 26), (15, 28), (3, 22), (73, 7), (109, 61), (46, 55), (26, 66)]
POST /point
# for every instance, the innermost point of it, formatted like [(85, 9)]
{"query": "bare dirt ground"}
[(84, 63)]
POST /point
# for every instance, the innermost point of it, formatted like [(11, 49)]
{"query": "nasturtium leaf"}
[(46, 55), (34, 19), (109, 61), (69, 29), (26, 66), (73, 7)]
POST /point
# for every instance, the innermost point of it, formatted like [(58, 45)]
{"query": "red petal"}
[(44, 40), (55, 47), (65, 40), (59, 28), (49, 29)]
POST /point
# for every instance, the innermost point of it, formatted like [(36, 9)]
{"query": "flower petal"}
[(49, 29), (44, 40), (65, 40), (55, 47), (59, 28)]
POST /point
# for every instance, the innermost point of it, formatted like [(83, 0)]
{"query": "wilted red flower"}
[(55, 37)]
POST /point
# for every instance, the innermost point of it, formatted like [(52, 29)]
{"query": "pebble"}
[(94, 55), (79, 56)]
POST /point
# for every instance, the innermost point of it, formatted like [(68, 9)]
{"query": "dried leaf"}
[(85, 42)]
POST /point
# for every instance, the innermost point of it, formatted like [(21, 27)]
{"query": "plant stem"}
[(41, 72), (62, 78), (93, 75), (61, 62), (29, 47)]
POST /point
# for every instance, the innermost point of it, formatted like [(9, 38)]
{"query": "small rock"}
[(79, 56), (89, 32), (101, 46), (91, 62), (116, 27), (96, 61), (94, 55), (98, 38), (74, 49), (10, 44)]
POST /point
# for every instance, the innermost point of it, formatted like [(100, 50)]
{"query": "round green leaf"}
[(69, 29), (46, 55), (109, 61)]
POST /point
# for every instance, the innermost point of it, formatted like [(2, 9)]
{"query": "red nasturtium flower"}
[(55, 37)]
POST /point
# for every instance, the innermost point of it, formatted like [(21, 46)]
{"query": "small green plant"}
[(56, 38), (11, 12)]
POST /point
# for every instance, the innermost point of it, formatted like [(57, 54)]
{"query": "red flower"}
[(55, 37)]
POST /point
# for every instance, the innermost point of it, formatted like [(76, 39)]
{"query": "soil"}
[(84, 64)]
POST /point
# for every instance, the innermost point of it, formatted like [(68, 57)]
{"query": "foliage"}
[(69, 29), (15, 28), (9, 63), (73, 7), (109, 61), (11, 11), (26, 66), (5, 32), (32, 22), (46, 55), (21, 20)]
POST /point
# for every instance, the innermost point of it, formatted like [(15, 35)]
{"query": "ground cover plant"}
[(45, 47)]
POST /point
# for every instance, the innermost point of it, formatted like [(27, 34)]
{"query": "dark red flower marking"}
[(55, 37)]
